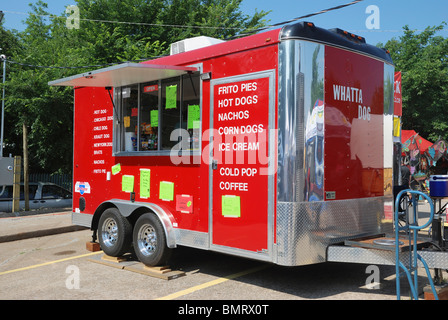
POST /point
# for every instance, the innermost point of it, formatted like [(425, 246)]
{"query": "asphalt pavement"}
[(26, 225)]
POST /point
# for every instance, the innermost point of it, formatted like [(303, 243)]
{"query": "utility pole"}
[(16, 184), (25, 167), (3, 58)]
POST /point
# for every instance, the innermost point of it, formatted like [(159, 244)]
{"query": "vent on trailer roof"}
[(192, 44)]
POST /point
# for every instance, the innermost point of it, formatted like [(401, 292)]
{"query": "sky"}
[(383, 21)]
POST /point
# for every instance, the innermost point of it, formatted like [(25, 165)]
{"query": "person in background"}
[(405, 176)]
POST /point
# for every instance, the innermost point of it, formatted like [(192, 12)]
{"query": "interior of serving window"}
[(149, 116)]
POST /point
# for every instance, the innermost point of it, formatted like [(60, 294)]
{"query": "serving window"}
[(150, 113)]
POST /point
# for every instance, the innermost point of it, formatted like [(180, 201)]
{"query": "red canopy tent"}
[(422, 143)]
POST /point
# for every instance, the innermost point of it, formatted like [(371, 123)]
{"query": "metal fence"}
[(63, 180)]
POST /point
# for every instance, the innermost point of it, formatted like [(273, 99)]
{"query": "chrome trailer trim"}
[(340, 253)]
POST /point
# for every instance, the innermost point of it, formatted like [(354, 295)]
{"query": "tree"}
[(155, 24), (128, 30), (214, 18), (423, 60), (9, 43), (30, 103)]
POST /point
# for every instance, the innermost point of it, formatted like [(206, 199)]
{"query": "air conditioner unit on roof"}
[(193, 44)]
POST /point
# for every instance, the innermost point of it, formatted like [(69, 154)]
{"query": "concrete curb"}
[(33, 212), (40, 233)]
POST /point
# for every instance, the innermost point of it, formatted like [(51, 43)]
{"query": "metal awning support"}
[(122, 75), (112, 101)]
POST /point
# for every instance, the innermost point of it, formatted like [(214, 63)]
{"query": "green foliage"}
[(8, 41), (48, 111), (423, 60), (46, 41), (157, 24)]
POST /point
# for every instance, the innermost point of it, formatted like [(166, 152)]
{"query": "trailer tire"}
[(114, 233), (150, 241)]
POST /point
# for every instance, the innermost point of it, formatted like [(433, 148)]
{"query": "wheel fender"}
[(126, 208)]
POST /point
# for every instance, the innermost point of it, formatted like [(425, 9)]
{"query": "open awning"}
[(122, 75)]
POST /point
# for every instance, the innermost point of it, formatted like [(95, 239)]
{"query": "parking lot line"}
[(49, 262), (213, 282)]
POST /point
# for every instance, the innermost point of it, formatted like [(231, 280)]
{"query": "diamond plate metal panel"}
[(191, 238), (306, 229)]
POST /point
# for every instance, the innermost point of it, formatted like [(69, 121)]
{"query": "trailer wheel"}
[(114, 233), (150, 241)]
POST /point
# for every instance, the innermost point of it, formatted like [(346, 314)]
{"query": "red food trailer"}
[(272, 147)]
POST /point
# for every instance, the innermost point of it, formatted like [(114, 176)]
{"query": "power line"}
[(81, 67), (222, 28), (300, 18), (149, 24), (319, 12), (57, 67), (191, 26), (124, 22)]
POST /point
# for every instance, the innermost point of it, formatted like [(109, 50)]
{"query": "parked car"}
[(42, 195)]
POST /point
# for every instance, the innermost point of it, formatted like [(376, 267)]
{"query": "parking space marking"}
[(49, 263), (213, 282), (168, 297)]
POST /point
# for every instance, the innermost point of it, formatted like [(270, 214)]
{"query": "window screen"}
[(149, 116), (151, 112)]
